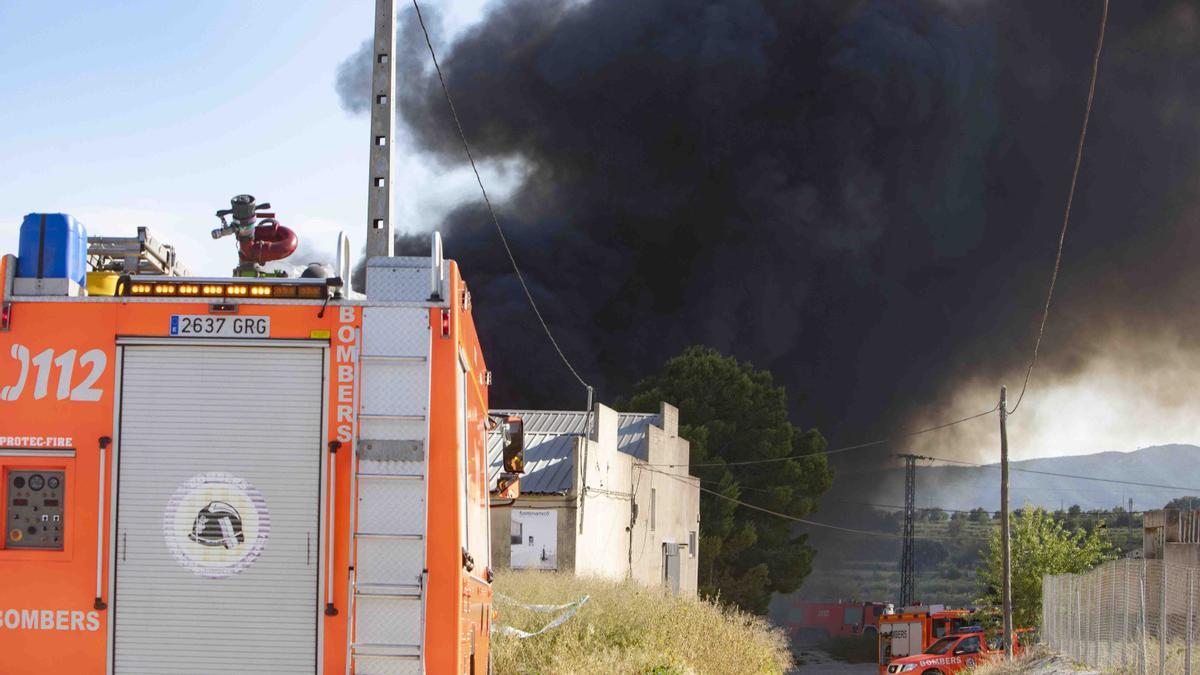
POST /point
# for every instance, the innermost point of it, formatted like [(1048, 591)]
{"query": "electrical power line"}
[(850, 530), (1180, 488), (797, 519), (896, 507), (835, 451), (1062, 235), (487, 200)]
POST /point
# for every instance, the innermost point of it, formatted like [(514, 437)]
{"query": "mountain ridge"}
[(1176, 465)]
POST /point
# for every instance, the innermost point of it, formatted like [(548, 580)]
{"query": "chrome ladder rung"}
[(388, 535), (393, 359), (387, 650)]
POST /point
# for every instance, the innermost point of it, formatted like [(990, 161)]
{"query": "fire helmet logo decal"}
[(216, 524)]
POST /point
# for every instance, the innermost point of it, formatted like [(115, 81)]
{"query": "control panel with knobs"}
[(35, 515)]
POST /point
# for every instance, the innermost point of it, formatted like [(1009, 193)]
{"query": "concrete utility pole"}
[(1005, 533), (908, 568), (383, 121), (1132, 541)]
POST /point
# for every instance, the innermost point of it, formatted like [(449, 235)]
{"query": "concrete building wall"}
[(1172, 535), (603, 475), (595, 536), (564, 506), (668, 508), (1183, 554)]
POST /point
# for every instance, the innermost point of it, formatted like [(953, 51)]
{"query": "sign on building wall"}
[(534, 539)]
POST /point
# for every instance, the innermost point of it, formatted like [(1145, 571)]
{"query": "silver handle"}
[(333, 447), (98, 603)]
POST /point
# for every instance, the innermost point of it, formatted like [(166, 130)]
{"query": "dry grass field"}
[(627, 628), (1038, 662)]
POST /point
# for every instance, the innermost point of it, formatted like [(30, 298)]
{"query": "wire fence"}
[(1127, 616)]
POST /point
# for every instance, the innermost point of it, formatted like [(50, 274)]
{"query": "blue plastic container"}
[(52, 246)]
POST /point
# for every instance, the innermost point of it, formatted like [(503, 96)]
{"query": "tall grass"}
[(1038, 661), (628, 628)]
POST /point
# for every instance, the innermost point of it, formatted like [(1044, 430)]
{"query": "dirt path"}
[(816, 662)]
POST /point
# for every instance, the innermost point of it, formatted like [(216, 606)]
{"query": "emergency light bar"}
[(171, 287)]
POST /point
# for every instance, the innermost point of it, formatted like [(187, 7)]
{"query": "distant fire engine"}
[(815, 621), (246, 474)]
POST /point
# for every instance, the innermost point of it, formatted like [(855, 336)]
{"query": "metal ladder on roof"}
[(142, 254), (390, 487)]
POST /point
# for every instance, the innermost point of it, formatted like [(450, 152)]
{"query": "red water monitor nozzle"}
[(260, 237)]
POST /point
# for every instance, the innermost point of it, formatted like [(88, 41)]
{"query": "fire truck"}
[(246, 474), (953, 653), (814, 621), (957, 652), (911, 630)]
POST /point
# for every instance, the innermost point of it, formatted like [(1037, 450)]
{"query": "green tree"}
[(731, 412), (1189, 503), (928, 554), (1040, 545), (955, 527), (1120, 517)]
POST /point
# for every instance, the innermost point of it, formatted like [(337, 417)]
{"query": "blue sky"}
[(156, 113)]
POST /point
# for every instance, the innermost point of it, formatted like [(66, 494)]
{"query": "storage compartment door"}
[(218, 528)]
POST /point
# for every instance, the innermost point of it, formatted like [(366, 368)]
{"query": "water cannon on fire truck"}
[(260, 237)]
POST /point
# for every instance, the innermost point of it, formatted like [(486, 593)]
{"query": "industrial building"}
[(605, 494), (1172, 535)]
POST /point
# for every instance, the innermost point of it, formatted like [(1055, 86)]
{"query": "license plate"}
[(207, 325)]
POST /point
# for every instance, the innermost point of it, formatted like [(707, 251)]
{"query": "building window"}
[(692, 544), (653, 508)]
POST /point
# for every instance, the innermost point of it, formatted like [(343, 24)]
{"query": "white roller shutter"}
[(217, 549)]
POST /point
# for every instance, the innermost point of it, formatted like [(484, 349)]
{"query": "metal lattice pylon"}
[(907, 563)]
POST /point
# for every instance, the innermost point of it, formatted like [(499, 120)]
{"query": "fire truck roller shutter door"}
[(219, 493)]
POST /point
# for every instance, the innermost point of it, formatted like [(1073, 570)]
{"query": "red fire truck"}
[(914, 628), (947, 655), (252, 473), (808, 622), (955, 653)]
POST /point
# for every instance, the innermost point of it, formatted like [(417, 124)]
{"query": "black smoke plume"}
[(863, 197)]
